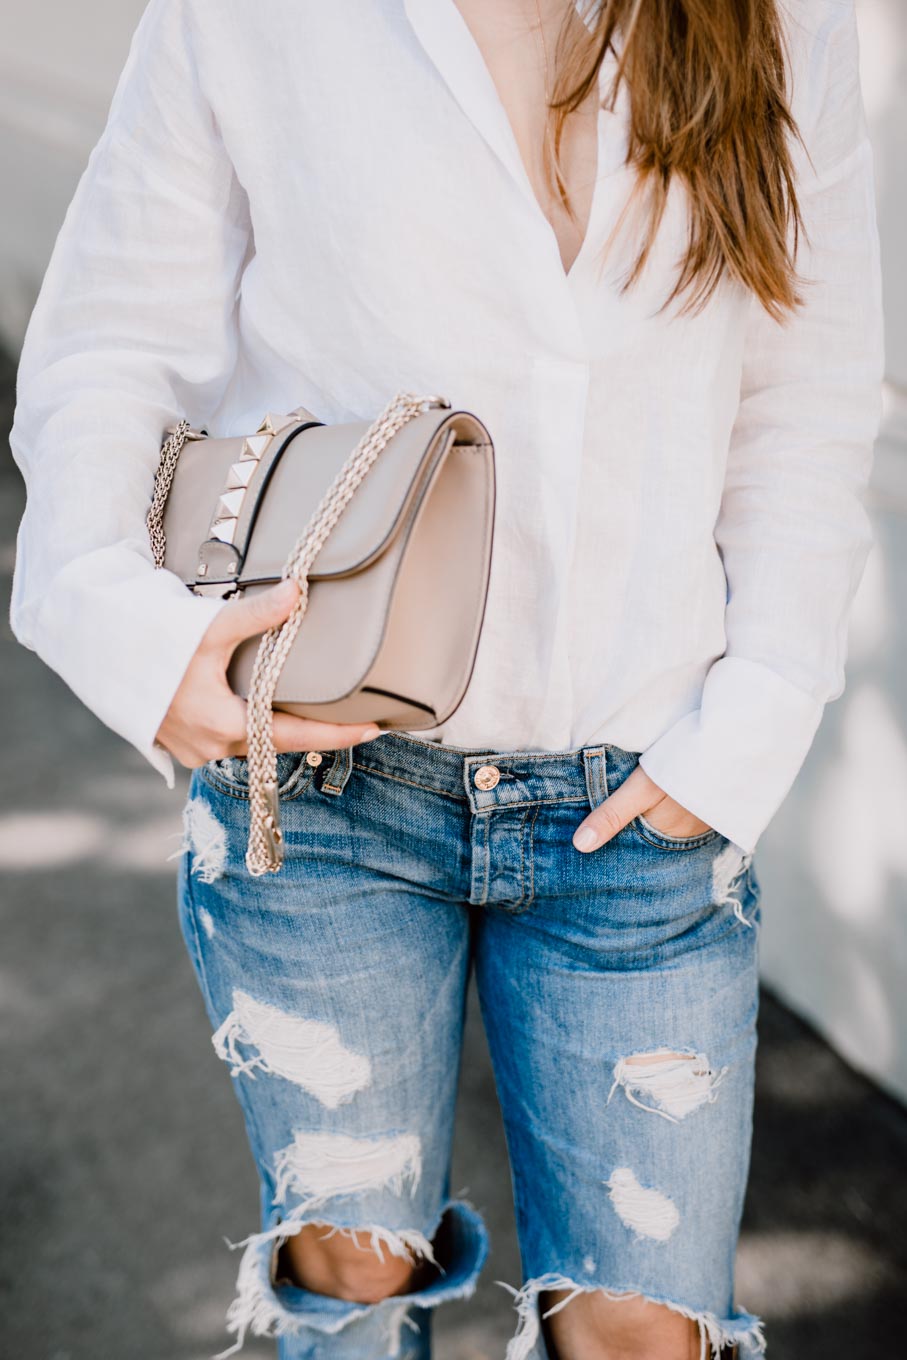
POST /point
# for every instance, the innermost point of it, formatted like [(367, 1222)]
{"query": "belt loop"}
[(596, 783), (335, 778)]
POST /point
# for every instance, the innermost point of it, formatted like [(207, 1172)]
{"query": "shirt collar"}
[(445, 36)]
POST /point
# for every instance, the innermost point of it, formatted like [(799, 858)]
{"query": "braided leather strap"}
[(264, 853)]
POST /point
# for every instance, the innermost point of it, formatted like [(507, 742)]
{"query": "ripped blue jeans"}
[(618, 991)]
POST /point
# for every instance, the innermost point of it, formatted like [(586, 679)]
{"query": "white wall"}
[(834, 862), (883, 41)]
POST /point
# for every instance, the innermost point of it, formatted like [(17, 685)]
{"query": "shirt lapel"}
[(445, 36)]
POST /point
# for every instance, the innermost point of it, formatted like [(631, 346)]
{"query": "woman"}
[(638, 240)]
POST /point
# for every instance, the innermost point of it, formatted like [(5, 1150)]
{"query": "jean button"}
[(313, 757), (486, 776)]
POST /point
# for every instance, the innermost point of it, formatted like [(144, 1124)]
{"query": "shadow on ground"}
[(123, 1162)]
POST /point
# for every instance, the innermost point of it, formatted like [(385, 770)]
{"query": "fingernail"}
[(369, 733), (585, 838)]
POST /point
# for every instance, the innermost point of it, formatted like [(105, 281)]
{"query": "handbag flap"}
[(305, 465)]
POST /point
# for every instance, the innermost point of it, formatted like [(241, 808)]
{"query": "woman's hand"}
[(637, 795), (207, 721)]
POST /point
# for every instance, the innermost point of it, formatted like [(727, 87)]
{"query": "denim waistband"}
[(484, 777)]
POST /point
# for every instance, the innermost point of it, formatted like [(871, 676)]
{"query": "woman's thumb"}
[(253, 614)]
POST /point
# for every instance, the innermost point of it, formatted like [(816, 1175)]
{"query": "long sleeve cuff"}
[(121, 635), (732, 761)]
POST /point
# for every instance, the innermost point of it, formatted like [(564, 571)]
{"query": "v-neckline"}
[(449, 41)]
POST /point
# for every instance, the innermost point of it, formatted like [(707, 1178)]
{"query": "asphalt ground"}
[(123, 1161)]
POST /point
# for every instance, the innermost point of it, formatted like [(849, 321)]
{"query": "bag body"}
[(388, 528), (397, 593)]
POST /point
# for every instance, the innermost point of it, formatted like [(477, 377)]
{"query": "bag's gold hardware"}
[(163, 480), (190, 435), (274, 839), (271, 821)]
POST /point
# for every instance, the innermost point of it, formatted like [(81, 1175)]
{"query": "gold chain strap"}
[(264, 853), (163, 480)]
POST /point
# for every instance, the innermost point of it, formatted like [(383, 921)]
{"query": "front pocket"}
[(651, 833), (619, 765), (230, 774)]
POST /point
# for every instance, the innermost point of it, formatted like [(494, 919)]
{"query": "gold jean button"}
[(486, 776), (313, 757)]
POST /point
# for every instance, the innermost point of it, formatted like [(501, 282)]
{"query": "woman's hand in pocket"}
[(637, 796), (207, 721)]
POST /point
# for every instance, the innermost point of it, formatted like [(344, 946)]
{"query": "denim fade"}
[(336, 992)]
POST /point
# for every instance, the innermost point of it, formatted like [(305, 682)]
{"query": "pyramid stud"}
[(224, 529), (229, 504), (255, 445), (273, 423), (240, 474)]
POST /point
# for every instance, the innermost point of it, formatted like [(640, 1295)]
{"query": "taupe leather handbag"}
[(393, 579)]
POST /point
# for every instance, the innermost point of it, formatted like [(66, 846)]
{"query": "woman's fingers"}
[(207, 721), (309, 734), (635, 795), (249, 616), (223, 726)]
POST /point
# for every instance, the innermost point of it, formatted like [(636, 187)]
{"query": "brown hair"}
[(708, 106)]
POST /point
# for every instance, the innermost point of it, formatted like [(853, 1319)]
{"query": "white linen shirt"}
[(324, 204)]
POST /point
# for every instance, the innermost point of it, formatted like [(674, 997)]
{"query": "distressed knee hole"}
[(360, 1265), (406, 1243), (257, 1307), (667, 1083), (309, 1053), (204, 839), (648, 1212), (728, 879), (318, 1168), (261, 1308), (742, 1331)]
